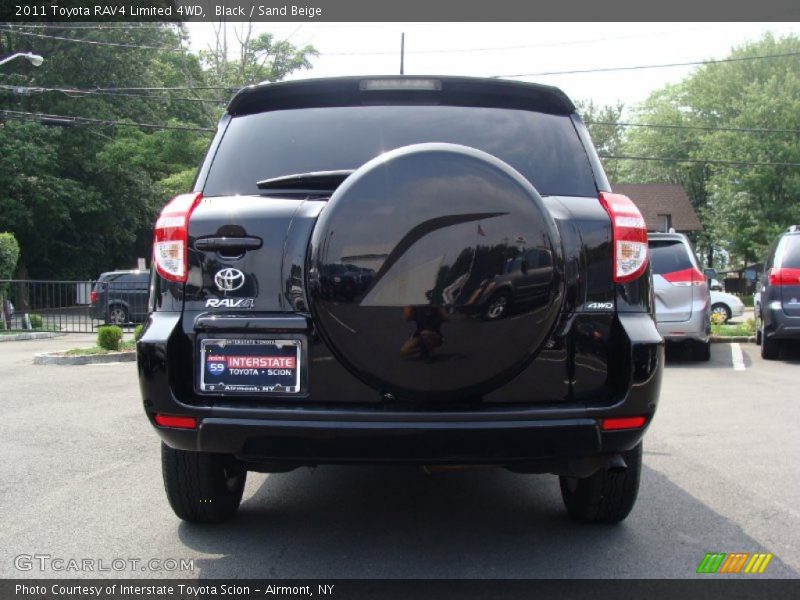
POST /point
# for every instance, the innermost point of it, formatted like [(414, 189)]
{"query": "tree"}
[(260, 57), (9, 254), (83, 199), (742, 206), (607, 135)]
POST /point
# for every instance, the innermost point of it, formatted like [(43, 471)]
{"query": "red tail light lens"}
[(170, 238), (783, 276), (93, 297), (622, 423), (629, 236), (176, 422), (685, 277)]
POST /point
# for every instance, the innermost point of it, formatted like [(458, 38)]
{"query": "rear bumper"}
[(696, 328), (779, 325), (308, 442), (538, 438)]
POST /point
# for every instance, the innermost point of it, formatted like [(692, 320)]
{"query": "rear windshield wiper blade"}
[(316, 181)]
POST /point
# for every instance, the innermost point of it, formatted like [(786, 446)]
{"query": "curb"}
[(86, 359), (737, 339), (40, 335)]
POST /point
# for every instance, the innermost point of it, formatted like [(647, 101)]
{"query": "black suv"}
[(313, 297), (120, 297), (778, 307)]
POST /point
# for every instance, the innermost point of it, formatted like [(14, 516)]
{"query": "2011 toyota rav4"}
[(321, 295)]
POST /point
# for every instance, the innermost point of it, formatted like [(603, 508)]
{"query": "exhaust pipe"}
[(616, 464)]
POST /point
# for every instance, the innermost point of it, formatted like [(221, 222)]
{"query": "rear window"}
[(668, 256), (545, 148), (790, 255)]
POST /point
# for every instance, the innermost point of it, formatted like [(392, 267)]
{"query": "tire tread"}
[(195, 485)]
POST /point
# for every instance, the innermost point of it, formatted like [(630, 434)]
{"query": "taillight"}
[(783, 276), (170, 238), (93, 297), (685, 277), (629, 234)]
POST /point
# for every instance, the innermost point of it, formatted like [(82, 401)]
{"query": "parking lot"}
[(81, 479)]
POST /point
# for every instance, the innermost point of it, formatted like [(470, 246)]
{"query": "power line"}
[(80, 93), (710, 161), (658, 66), (71, 120), (93, 42), (177, 88), (696, 127)]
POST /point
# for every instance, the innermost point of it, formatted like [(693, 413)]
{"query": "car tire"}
[(117, 315), (202, 487), (701, 351), (606, 496), (497, 307), (721, 309), (770, 348)]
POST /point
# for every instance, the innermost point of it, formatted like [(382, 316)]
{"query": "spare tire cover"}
[(435, 272)]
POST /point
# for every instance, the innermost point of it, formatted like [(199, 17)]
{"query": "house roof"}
[(655, 199)]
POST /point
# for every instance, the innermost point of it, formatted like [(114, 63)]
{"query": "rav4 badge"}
[(230, 303)]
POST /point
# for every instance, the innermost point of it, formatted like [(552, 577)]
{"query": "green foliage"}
[(9, 254), (607, 135), (747, 299), (109, 337), (747, 328), (261, 57), (82, 200), (179, 182), (36, 321), (137, 332), (742, 206)]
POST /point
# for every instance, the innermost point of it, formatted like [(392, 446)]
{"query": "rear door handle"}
[(228, 244)]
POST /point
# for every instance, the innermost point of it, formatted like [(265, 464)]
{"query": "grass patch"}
[(747, 328), (129, 345)]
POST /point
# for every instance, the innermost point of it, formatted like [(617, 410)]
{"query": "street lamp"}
[(35, 59)]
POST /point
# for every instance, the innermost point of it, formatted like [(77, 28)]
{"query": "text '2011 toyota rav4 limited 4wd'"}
[(401, 270)]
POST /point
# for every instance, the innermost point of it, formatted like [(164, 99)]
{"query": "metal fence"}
[(71, 306)]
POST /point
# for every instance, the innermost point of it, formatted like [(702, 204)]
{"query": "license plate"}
[(250, 365)]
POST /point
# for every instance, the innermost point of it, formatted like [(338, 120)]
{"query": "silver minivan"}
[(681, 292)]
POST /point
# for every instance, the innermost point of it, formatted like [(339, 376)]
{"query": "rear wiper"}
[(314, 181)]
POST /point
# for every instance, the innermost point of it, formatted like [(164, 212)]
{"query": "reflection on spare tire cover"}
[(409, 253)]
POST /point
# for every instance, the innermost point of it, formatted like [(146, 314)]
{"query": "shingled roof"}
[(655, 199)]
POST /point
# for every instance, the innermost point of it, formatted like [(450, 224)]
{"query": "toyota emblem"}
[(229, 280)]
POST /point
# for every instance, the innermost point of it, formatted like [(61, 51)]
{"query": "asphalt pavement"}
[(80, 479)]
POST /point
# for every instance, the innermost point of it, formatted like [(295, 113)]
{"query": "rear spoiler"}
[(351, 91)]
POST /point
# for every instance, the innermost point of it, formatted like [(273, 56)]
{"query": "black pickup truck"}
[(328, 294)]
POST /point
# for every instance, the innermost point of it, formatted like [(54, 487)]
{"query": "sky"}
[(491, 49)]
